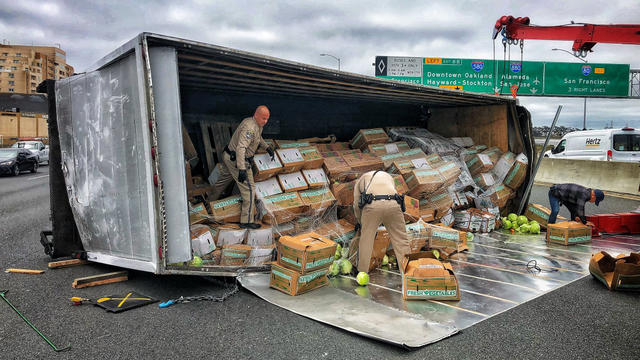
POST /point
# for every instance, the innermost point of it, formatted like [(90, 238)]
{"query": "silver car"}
[(37, 148)]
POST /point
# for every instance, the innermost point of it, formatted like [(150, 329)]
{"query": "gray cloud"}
[(355, 31)]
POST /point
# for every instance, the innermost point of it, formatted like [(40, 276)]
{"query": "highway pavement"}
[(580, 320)]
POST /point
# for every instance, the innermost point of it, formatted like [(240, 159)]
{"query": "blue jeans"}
[(555, 208)]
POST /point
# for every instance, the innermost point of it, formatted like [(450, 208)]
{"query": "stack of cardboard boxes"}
[(303, 263)]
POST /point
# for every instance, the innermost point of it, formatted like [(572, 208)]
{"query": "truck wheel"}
[(16, 170), (34, 169), (546, 156)]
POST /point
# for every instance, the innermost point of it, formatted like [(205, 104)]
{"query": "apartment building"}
[(23, 67)]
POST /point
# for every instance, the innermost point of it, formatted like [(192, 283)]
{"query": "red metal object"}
[(620, 223), (584, 36)]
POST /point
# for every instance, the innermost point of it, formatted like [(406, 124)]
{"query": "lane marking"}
[(499, 282), (526, 262), (532, 254), (38, 177), (433, 301), (490, 296), (477, 277), (511, 271)]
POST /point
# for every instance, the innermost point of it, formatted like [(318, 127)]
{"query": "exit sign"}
[(533, 78)]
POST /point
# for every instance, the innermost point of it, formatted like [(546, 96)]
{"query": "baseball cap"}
[(599, 196)]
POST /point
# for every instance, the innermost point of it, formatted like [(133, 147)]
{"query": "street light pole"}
[(584, 117), (335, 57)]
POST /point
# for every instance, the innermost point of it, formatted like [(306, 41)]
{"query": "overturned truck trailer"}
[(118, 178)]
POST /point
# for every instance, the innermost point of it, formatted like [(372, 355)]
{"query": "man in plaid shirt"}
[(573, 196)]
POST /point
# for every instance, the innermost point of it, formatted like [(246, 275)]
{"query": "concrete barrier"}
[(620, 177)]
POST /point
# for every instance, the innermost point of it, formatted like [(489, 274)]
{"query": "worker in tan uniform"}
[(377, 202), (236, 163)]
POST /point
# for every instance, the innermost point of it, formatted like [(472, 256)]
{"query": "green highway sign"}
[(532, 78)]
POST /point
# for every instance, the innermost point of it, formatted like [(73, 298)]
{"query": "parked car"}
[(13, 161), (38, 148), (608, 144)]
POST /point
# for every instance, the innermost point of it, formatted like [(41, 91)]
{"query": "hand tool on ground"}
[(2, 292), (117, 303), (76, 300)]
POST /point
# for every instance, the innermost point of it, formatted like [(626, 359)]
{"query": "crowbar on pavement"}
[(2, 292)]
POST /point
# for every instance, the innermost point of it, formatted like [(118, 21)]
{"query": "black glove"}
[(357, 227), (271, 153), (242, 176)]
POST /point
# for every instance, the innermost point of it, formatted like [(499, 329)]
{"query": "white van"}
[(608, 144)]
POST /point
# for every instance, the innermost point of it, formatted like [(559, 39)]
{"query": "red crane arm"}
[(584, 36)]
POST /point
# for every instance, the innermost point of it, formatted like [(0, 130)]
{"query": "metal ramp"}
[(495, 275)]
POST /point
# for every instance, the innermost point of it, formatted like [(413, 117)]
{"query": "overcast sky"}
[(355, 31)]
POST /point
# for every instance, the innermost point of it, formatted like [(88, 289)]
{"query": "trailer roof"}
[(216, 68)]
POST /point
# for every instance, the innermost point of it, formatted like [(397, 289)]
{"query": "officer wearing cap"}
[(236, 163), (376, 202), (574, 197)]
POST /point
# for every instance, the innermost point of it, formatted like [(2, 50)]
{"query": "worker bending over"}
[(376, 202), (574, 197), (236, 163)]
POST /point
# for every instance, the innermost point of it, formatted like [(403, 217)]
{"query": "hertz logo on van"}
[(592, 142)]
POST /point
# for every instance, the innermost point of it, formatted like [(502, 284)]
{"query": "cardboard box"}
[(346, 213), (540, 214), (469, 220), (312, 157), (447, 239), (503, 166), (343, 192), (484, 180), (418, 236), (424, 182), (449, 171), (336, 146), (291, 282), (447, 219), (337, 169), (621, 273), (264, 167), (235, 255), (283, 229), (404, 167), (427, 214), (339, 153), (412, 209), (488, 222), (400, 185), (494, 153), (363, 162), (340, 231), (304, 224), (260, 237), (316, 178), (318, 200), (365, 137), (390, 148), (227, 209), (500, 195), (197, 213), (426, 278), (480, 148), (305, 253), (459, 199), (292, 182), (289, 144), (291, 160), (261, 255), (433, 159), (479, 163), (568, 233), (388, 159), (202, 241), (518, 172), (462, 141), (230, 234), (267, 188), (282, 208)]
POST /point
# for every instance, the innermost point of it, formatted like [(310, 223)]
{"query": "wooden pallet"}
[(215, 136)]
